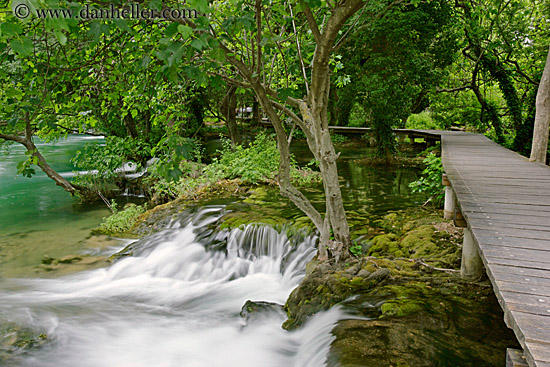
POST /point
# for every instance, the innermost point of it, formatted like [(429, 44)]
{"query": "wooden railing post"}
[(449, 208)]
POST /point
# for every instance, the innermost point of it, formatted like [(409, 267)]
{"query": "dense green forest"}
[(157, 87)]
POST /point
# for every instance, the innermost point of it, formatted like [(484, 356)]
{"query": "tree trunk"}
[(130, 126), (27, 142), (229, 111), (314, 123), (147, 121), (256, 113), (542, 117)]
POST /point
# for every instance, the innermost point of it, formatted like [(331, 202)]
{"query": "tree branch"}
[(15, 138), (451, 90), (311, 21)]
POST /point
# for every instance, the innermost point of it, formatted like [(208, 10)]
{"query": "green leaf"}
[(161, 55), (145, 62), (199, 5), (61, 37), (97, 29), (217, 54), (172, 29), (197, 44), (155, 4), (14, 92), (123, 24), (22, 46), (13, 121), (185, 31), (10, 29), (284, 93)]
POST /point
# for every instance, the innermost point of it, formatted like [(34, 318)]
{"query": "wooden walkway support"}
[(505, 201)]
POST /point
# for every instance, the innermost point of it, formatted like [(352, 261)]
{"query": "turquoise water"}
[(38, 218)]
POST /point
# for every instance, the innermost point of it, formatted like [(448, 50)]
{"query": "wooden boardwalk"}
[(506, 202)]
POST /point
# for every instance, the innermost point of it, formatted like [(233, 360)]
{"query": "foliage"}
[(256, 163), (172, 152), (106, 159), (121, 221), (423, 120), (339, 139), (356, 249), (394, 61), (431, 180)]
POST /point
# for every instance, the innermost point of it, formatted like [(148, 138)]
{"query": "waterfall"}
[(175, 302)]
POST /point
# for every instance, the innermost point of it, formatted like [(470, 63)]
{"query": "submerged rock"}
[(15, 339), (256, 311), (71, 263)]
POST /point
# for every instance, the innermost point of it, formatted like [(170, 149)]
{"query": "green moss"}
[(419, 242), (400, 308), (382, 244), (14, 338), (121, 222)]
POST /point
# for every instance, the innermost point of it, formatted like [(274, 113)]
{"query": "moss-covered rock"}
[(15, 339), (326, 285), (436, 323), (253, 312), (390, 258)]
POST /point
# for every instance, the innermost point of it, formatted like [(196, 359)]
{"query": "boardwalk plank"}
[(528, 272), (539, 352), (516, 253), (507, 209), (502, 232), (525, 280), (506, 202), (532, 264), (497, 225), (504, 219)]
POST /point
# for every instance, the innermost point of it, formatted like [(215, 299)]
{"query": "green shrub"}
[(121, 221), (258, 162), (431, 180), (106, 159)]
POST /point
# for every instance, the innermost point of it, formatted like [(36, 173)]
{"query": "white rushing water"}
[(175, 302)]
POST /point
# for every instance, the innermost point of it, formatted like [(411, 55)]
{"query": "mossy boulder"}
[(326, 285), (436, 323), (390, 258), (424, 242)]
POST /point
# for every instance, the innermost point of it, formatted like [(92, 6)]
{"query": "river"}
[(177, 301)]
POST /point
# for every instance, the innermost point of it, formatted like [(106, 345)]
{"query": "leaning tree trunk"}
[(27, 142), (542, 117)]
